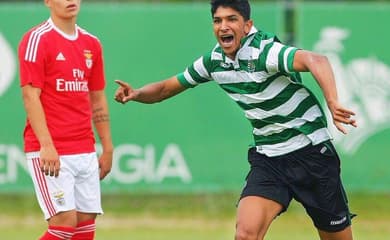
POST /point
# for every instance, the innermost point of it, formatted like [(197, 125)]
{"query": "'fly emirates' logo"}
[(76, 85)]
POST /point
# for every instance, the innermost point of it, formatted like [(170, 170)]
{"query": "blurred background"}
[(179, 165)]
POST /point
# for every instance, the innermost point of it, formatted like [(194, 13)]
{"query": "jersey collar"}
[(67, 36)]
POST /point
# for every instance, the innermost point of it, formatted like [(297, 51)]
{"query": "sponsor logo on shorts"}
[(323, 150), (338, 222)]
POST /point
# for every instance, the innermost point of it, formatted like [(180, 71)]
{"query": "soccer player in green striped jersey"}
[(292, 156)]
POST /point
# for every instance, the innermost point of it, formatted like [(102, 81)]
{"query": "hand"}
[(49, 161), (105, 164), (341, 116), (124, 93)]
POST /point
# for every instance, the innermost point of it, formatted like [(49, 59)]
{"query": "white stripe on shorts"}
[(41, 182)]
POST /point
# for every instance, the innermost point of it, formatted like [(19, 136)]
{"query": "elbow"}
[(313, 61), (28, 97), (317, 59)]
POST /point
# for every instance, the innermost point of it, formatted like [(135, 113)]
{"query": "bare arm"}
[(150, 93), (321, 70), (100, 118), (49, 159)]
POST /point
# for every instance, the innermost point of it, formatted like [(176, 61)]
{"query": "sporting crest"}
[(251, 66)]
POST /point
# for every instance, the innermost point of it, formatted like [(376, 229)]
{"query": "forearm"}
[(158, 91), (101, 121), (150, 93), (322, 72)]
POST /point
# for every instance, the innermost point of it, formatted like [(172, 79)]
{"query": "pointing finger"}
[(122, 83)]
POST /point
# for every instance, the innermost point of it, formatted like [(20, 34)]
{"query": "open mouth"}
[(227, 39)]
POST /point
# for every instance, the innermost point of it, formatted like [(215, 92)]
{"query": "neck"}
[(67, 26)]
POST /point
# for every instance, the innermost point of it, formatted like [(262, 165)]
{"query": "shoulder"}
[(35, 39), (87, 35), (38, 32), (264, 35), (214, 55), (89, 38), (212, 58), (263, 38)]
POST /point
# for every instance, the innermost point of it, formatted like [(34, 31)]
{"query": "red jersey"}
[(65, 68)]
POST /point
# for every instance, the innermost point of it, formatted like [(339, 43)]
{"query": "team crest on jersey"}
[(251, 66), (59, 198), (88, 58)]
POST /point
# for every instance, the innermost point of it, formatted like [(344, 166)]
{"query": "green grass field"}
[(189, 217)]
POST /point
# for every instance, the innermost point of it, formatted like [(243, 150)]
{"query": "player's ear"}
[(46, 2), (248, 26)]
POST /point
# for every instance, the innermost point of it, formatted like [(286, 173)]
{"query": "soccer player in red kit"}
[(62, 80)]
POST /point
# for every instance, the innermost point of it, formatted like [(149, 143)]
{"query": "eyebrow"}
[(229, 16)]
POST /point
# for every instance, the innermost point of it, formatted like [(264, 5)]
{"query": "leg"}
[(345, 234), (85, 229), (325, 199), (83, 217), (254, 216), (87, 195), (55, 197), (61, 226), (68, 218)]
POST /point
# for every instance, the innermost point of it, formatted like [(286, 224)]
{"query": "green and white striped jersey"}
[(285, 115)]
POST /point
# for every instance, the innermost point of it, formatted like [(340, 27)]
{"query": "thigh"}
[(54, 194), (87, 186), (254, 216), (67, 218)]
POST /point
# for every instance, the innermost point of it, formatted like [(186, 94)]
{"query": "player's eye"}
[(217, 20)]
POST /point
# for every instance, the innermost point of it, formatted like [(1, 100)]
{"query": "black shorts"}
[(310, 175)]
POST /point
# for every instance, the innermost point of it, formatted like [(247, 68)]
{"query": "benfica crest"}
[(88, 58)]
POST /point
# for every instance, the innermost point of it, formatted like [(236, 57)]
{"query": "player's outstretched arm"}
[(321, 70), (150, 93)]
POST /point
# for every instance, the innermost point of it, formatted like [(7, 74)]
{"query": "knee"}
[(246, 234), (67, 218)]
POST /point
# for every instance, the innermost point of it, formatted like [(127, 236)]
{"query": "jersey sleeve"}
[(279, 57), (196, 73), (31, 55), (97, 81)]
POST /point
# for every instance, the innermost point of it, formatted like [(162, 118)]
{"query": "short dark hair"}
[(241, 6)]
